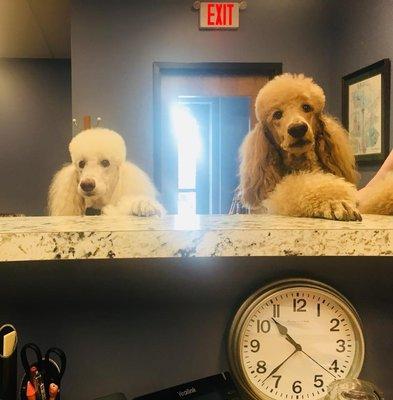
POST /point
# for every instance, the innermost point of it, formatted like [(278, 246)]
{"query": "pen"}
[(30, 391), (39, 384), (32, 375), (53, 390)]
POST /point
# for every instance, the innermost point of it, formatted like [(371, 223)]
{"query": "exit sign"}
[(219, 15)]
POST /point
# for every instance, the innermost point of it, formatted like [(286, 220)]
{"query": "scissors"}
[(43, 363)]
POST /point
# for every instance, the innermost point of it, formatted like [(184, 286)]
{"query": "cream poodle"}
[(100, 179), (297, 161)]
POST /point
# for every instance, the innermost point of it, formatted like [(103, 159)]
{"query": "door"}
[(202, 118)]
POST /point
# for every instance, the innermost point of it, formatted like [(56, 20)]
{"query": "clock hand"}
[(281, 328), (316, 362), (284, 332), (279, 366), (296, 345)]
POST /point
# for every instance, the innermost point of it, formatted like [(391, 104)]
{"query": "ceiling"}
[(35, 29)]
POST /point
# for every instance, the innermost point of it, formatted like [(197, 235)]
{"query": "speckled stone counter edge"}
[(40, 238)]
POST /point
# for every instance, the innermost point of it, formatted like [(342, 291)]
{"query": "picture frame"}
[(366, 111)]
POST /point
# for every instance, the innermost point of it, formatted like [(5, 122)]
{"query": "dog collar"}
[(92, 211)]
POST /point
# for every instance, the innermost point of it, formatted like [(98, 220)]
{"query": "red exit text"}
[(219, 15)]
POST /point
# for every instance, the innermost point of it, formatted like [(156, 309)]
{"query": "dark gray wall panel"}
[(141, 325)]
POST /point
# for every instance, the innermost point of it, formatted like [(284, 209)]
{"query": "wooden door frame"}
[(208, 68)]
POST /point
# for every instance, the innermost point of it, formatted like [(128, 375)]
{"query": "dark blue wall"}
[(35, 128), (113, 47), (114, 44), (362, 33)]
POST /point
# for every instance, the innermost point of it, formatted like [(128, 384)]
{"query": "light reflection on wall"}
[(186, 131)]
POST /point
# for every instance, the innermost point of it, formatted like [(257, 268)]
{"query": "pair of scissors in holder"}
[(48, 369)]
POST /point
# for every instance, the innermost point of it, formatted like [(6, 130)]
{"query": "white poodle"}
[(100, 178)]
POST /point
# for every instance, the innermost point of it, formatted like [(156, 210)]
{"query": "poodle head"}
[(292, 133), (289, 107), (97, 155)]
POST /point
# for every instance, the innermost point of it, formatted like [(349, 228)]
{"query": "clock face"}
[(293, 340)]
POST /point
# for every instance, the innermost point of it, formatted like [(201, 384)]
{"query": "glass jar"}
[(353, 389)]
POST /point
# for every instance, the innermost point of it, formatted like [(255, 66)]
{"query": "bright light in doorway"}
[(186, 131)]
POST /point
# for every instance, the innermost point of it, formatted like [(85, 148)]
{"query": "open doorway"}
[(202, 113)]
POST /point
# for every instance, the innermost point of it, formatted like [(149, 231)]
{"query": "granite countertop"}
[(98, 237)]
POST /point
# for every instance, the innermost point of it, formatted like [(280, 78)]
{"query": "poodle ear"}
[(64, 198), (260, 167), (334, 150)]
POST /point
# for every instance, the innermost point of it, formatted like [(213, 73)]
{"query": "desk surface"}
[(48, 238)]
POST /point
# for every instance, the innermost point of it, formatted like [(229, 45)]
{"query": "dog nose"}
[(87, 185), (297, 130)]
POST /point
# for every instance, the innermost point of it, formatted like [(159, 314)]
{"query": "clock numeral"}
[(299, 305), (341, 346), (318, 382), (318, 309), (276, 310), (255, 345), (263, 326), (334, 366), (277, 377), (296, 387), (261, 367), (336, 324)]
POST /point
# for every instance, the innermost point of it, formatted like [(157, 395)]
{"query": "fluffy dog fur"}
[(99, 159), (308, 176)]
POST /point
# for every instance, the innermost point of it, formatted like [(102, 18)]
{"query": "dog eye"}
[(277, 115), (307, 107), (82, 164), (105, 163)]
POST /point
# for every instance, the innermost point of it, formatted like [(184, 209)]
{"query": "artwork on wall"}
[(366, 110)]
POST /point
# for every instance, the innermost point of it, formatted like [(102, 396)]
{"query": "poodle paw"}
[(339, 210), (141, 207), (146, 208), (110, 210)]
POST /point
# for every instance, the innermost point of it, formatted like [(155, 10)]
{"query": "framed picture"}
[(366, 110)]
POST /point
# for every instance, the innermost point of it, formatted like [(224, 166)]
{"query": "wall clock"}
[(291, 339)]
